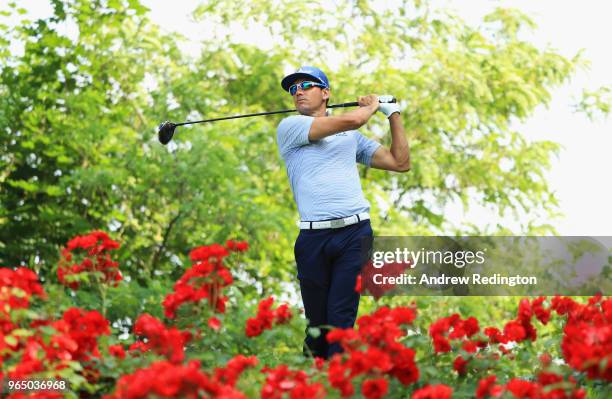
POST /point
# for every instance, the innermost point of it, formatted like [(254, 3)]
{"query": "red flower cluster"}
[(520, 329), (365, 282), (587, 336), (230, 373), (94, 248), (75, 339), (50, 345), (373, 350), (548, 386), (281, 380), (443, 330), (241, 246), (168, 380), (205, 279), (375, 388), (266, 317), (439, 391), (440, 331), (447, 329), (79, 330), (16, 289), (117, 350), (168, 342), (165, 379)]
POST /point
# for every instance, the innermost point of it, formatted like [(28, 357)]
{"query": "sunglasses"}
[(304, 86)]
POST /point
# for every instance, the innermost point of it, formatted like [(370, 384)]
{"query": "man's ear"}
[(326, 93)]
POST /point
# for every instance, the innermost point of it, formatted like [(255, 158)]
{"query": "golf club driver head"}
[(165, 132)]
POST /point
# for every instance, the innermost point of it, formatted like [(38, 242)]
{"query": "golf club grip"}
[(353, 104)]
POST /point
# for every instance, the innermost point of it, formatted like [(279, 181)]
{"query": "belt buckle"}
[(336, 223)]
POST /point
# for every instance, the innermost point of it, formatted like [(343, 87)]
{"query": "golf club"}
[(167, 128)]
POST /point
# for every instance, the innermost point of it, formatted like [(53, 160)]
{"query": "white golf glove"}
[(388, 108)]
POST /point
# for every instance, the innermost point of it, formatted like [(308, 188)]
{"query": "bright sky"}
[(581, 176)]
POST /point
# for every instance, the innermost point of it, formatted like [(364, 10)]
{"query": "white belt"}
[(336, 223)]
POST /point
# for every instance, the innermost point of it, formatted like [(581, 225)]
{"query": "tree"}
[(80, 149)]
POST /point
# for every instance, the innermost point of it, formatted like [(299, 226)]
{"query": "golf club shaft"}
[(352, 104)]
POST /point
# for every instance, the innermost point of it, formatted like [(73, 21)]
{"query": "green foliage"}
[(79, 106), (596, 103)]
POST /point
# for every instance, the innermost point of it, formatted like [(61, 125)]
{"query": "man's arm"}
[(397, 158), (327, 125)]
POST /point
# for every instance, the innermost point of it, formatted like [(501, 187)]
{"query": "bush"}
[(205, 339)]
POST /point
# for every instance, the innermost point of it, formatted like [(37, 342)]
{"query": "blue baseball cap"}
[(305, 72)]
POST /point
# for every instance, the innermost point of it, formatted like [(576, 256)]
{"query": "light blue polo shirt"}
[(323, 174)]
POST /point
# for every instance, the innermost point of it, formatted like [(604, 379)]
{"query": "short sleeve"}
[(293, 132), (365, 149)]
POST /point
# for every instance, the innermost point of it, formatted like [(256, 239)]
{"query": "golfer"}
[(321, 154)]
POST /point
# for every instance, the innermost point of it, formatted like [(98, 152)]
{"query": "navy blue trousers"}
[(328, 263)]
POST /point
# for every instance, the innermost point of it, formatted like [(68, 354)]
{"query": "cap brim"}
[(289, 79)]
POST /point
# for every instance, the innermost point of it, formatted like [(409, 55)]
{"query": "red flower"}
[(545, 359), (514, 331), (282, 314), (470, 346), (319, 362), (521, 388), (543, 315), (487, 387), (214, 323), (254, 327), (168, 342), (240, 246), (358, 284), (374, 389), (403, 315), (439, 391), (563, 305), (441, 344), (117, 351), (405, 368), (281, 380), (232, 370), (460, 365), (495, 336)]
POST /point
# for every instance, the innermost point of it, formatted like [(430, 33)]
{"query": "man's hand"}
[(370, 101), (389, 108), (324, 126)]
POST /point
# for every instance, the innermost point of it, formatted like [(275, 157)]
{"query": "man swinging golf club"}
[(320, 153)]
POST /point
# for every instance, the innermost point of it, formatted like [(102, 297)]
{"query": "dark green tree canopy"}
[(79, 111)]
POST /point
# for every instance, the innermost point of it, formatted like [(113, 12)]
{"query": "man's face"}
[(310, 100)]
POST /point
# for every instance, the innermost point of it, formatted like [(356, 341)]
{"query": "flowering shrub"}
[(281, 380), (168, 342), (168, 380), (587, 338), (93, 251), (205, 279), (552, 348), (373, 350), (266, 317)]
